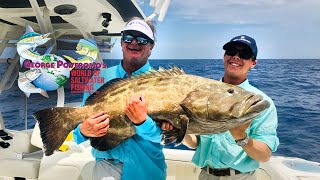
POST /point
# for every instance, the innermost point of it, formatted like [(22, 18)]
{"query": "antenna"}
[(161, 8), (153, 3), (164, 10)]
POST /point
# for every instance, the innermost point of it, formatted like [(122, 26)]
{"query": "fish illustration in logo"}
[(52, 77), (24, 82), (87, 48)]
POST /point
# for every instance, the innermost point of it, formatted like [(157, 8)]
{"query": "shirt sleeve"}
[(78, 136), (149, 130), (264, 128)]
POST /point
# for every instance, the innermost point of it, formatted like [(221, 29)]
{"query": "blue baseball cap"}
[(243, 39)]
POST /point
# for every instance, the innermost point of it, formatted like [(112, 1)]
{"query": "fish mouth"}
[(255, 104), (46, 35), (42, 41)]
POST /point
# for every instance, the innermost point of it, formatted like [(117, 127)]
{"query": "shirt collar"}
[(143, 69), (123, 73), (243, 84)]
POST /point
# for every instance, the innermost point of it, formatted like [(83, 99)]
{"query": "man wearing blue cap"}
[(236, 154), (141, 156)]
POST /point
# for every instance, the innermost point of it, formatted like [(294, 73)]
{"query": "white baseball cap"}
[(141, 26)]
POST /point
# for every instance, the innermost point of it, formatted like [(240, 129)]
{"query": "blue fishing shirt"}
[(221, 150), (141, 155)]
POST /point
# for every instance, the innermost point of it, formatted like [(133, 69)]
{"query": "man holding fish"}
[(124, 161), (236, 154)]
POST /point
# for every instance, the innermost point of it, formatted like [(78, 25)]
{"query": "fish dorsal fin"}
[(161, 72), (28, 29), (90, 99)]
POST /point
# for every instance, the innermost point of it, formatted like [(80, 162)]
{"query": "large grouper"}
[(192, 104)]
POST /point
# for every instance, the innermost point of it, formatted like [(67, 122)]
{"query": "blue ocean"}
[(293, 84)]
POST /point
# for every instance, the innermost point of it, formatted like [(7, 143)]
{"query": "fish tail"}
[(44, 93), (71, 60), (27, 94), (55, 124)]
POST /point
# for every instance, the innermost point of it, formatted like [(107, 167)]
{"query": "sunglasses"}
[(140, 40), (243, 53)]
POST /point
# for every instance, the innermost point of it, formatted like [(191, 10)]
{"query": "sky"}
[(197, 29)]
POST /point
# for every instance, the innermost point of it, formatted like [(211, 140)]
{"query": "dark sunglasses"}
[(243, 53), (140, 40)]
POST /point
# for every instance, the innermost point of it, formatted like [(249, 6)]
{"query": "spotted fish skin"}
[(192, 104)]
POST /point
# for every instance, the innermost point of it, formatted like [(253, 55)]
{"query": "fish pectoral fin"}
[(184, 125), (48, 51), (27, 94), (169, 136), (176, 135)]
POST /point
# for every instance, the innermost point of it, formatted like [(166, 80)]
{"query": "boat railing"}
[(10, 75)]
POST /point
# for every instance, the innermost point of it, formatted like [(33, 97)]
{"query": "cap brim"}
[(141, 26), (234, 43)]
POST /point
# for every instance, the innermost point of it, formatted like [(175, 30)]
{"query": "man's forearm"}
[(258, 150), (190, 141), (149, 130), (78, 136)]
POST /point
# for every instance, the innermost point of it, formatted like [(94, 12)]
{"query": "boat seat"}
[(36, 138), (26, 167), (22, 142), (26, 162)]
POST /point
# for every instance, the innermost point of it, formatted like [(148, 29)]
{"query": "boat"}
[(21, 153)]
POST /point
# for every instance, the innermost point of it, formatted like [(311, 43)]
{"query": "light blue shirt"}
[(221, 150), (141, 155)]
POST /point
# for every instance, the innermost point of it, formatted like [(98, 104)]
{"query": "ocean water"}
[(293, 84)]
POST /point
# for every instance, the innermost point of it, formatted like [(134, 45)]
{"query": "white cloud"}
[(281, 27), (244, 11)]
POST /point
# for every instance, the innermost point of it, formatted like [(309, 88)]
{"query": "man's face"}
[(238, 61), (133, 47)]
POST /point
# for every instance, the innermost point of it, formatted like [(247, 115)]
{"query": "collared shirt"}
[(221, 150), (141, 155)]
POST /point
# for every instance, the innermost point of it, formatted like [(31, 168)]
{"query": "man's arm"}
[(256, 149), (263, 136), (191, 141)]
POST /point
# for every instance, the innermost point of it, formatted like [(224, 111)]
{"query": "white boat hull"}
[(77, 163)]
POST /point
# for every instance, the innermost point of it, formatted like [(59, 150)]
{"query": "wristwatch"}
[(243, 142)]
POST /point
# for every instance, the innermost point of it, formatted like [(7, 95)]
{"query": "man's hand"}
[(240, 131), (136, 109), (95, 126)]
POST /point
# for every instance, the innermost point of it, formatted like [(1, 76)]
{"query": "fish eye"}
[(231, 91)]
